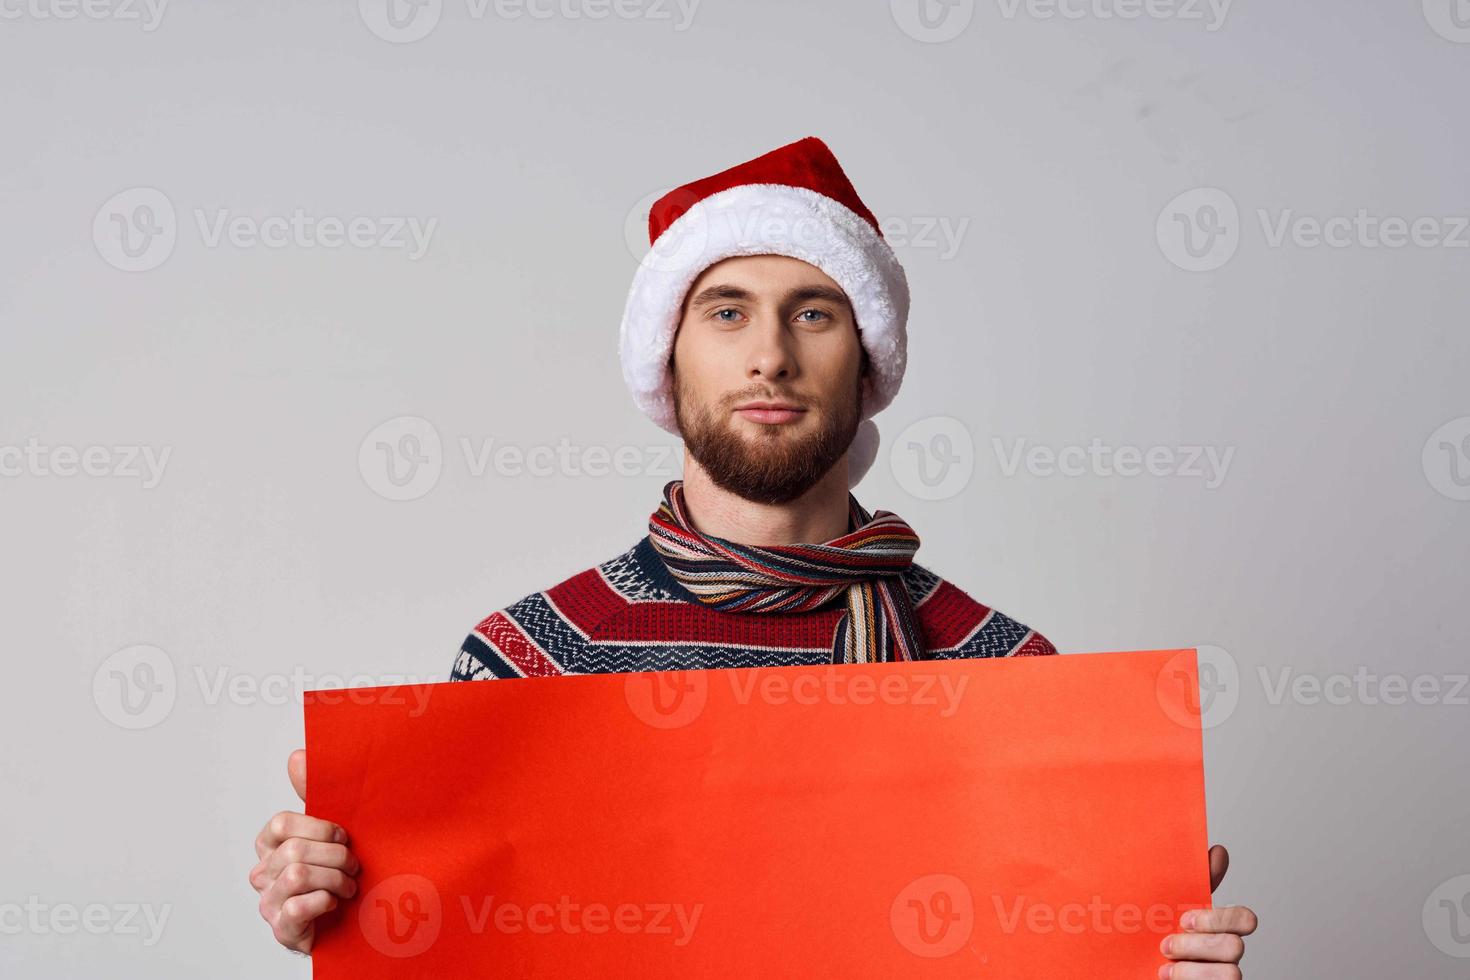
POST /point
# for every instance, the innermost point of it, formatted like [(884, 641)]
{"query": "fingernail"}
[(339, 835), (1188, 920), (1166, 971)]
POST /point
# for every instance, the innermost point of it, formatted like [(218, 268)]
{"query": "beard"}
[(771, 466)]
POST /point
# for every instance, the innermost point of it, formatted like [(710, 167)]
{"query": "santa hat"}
[(794, 201)]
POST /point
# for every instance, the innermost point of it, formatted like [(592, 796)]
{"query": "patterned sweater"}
[(631, 614)]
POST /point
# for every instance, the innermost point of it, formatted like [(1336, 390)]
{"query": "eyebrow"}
[(727, 291)]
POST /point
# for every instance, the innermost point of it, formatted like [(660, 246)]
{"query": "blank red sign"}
[(1030, 817)]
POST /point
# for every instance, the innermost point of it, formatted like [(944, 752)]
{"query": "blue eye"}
[(719, 313), (820, 313)]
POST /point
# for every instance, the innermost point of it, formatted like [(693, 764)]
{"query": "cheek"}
[(842, 364), (703, 361)]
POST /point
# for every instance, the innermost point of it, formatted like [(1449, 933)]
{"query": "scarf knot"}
[(861, 567)]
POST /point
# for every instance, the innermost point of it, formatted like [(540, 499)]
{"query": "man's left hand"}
[(1211, 944)]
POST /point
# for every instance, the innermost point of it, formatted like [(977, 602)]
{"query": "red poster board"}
[(1028, 817)]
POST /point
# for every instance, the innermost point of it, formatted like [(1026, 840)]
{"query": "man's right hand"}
[(305, 867)]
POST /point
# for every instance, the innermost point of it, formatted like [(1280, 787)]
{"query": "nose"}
[(770, 356)]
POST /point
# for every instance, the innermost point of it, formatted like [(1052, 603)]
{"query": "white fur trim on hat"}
[(766, 219)]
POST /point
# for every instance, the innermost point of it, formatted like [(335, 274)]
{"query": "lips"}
[(770, 413)]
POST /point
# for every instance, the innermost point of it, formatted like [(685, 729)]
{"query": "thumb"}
[(296, 769), (1219, 862)]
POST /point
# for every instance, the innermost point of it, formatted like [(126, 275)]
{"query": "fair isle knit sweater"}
[(630, 614)]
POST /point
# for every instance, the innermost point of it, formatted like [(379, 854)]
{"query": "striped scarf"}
[(864, 565)]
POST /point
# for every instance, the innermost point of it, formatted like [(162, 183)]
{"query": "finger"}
[(1235, 919), (298, 879), (295, 923), (1204, 947), (1219, 864), (296, 770), (1199, 971), (299, 850), (288, 824)]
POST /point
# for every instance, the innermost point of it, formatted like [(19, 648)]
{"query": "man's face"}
[(767, 328)]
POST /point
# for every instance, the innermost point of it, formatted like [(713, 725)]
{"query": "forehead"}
[(764, 274)]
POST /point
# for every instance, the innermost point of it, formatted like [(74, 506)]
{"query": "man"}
[(765, 327)]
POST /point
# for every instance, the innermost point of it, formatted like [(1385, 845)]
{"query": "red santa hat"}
[(793, 201)]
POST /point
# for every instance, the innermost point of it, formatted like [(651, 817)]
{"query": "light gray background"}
[(265, 551)]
